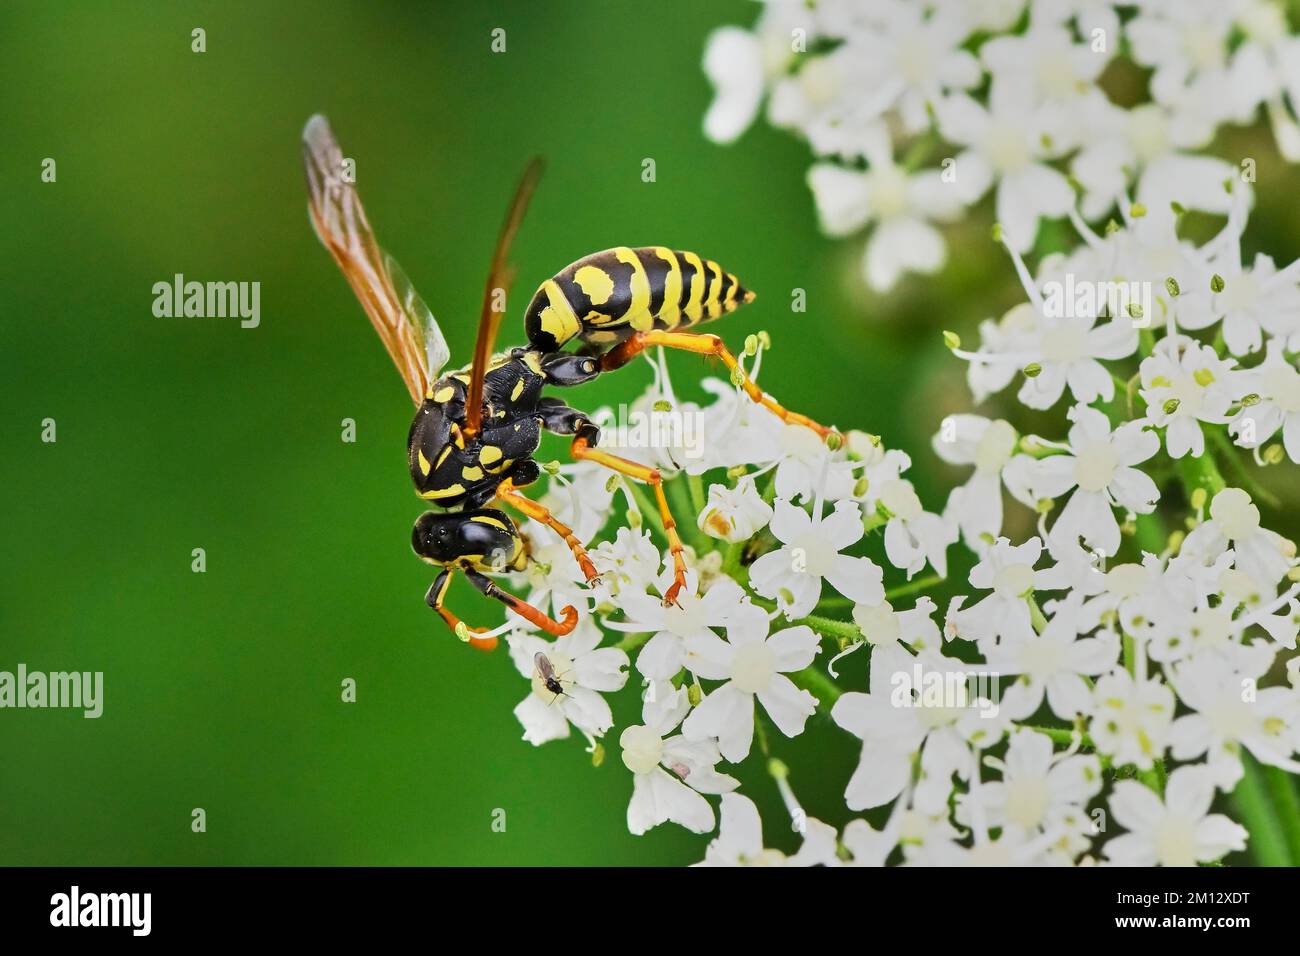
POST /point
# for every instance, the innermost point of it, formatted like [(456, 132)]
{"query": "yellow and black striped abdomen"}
[(605, 297)]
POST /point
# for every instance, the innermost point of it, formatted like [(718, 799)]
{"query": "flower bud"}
[(734, 514)]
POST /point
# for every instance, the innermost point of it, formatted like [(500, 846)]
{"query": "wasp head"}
[(485, 538)]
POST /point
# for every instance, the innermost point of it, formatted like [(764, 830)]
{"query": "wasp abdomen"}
[(604, 297)]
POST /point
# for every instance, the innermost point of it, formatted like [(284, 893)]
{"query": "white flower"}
[(809, 467), (1231, 713), (1187, 44), (740, 840), (735, 430), (913, 535), (881, 624), (990, 446), (1003, 616), (1067, 351), (900, 203), (1054, 664), (753, 665), (879, 467), (628, 564), (810, 553), (1005, 142), (1234, 520), (1011, 847), (1100, 469), (1150, 138), (1089, 16), (896, 721), (554, 579), (584, 670), (1131, 719), (1040, 791), (734, 514), (1178, 831), (1254, 300), (867, 846), (673, 625), (1277, 383), (741, 65), (918, 58), (669, 772), (1185, 383), (583, 501), (733, 62), (822, 100), (1048, 62)]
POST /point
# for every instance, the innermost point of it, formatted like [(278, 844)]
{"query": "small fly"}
[(546, 671)]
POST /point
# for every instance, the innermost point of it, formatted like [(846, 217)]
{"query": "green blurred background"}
[(223, 688)]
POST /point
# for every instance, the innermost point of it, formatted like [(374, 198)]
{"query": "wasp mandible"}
[(476, 430)]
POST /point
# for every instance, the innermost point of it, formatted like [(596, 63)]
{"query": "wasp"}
[(475, 432)]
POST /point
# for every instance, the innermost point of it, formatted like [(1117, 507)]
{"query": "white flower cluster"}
[(1122, 654), (917, 108), (1087, 697)]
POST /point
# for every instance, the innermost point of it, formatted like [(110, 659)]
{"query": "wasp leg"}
[(539, 512), (559, 419), (582, 451), (705, 344), (569, 616), (435, 599)]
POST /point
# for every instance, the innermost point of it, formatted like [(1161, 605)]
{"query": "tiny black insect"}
[(546, 671)]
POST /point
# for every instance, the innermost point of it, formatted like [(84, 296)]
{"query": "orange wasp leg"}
[(438, 593), (569, 616), (507, 494), (581, 450), (705, 344), (435, 599)]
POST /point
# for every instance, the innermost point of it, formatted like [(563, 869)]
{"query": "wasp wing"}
[(404, 323), (499, 277)]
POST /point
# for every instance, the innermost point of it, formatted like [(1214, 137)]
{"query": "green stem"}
[(632, 641), (1201, 472), (687, 529), (731, 558), (1286, 798), (912, 587), (1231, 454), (1155, 778), (1150, 533), (695, 484), (919, 151), (842, 632), (649, 510), (760, 731), (1036, 617), (818, 684), (1060, 735), (1255, 807)]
